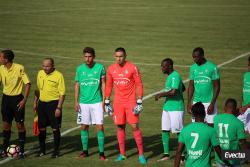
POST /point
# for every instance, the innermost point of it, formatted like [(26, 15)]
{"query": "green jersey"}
[(246, 89), (229, 130), (90, 83), (174, 103), (203, 77), (199, 138)]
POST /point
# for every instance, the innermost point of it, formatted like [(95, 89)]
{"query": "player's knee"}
[(6, 126), (20, 126), (134, 127), (84, 127), (99, 127)]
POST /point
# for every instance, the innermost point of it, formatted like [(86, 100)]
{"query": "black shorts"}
[(46, 115), (9, 109)]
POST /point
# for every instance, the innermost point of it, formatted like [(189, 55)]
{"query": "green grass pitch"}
[(150, 31)]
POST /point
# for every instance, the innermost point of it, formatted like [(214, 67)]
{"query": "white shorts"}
[(172, 121), (90, 114), (245, 118), (209, 117)]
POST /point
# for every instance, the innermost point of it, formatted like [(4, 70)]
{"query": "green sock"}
[(100, 138), (165, 141), (85, 139)]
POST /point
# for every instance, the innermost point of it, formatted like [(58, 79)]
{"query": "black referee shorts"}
[(9, 109), (46, 115)]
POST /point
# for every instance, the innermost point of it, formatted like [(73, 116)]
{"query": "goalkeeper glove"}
[(138, 108), (108, 108)]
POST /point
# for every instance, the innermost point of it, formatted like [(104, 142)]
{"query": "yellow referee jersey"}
[(51, 86), (13, 79)]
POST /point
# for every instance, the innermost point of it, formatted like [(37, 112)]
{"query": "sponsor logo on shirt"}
[(195, 154), (90, 82), (121, 81), (202, 80)]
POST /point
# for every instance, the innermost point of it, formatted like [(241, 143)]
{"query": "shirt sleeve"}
[(175, 82), (24, 76), (214, 140), (191, 73), (103, 72), (215, 73), (61, 86), (38, 81), (76, 76), (181, 137), (138, 81), (240, 131), (109, 84)]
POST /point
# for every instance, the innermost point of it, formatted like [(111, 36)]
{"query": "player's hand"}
[(243, 109), (21, 104), (189, 107), (58, 112), (35, 107), (157, 97), (108, 107), (138, 108), (77, 107), (210, 109)]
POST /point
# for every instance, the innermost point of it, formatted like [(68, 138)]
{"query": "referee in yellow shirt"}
[(13, 77), (50, 84)]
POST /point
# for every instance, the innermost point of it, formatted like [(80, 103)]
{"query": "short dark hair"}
[(199, 50), (198, 110), (168, 60), (89, 50), (51, 60), (8, 54), (231, 102), (120, 49)]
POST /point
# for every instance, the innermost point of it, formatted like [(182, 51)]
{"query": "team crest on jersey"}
[(114, 72), (206, 70), (95, 72), (83, 73), (126, 71)]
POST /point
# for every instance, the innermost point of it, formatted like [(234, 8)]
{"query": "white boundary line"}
[(110, 61), (120, 8), (145, 98)]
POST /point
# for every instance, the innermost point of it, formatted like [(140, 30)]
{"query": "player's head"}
[(120, 56), (6, 56), (89, 55), (198, 111), (249, 63), (230, 106), (167, 65), (198, 55), (48, 65)]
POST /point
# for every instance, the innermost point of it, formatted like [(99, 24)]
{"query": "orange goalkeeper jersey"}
[(125, 80)]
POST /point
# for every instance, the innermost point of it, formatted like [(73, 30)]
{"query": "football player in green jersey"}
[(199, 139), (89, 95), (229, 131), (245, 108), (204, 84), (173, 109)]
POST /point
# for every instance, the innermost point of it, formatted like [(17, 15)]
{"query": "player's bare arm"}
[(190, 94), (77, 90), (172, 92), (58, 111), (217, 149), (26, 95), (216, 85), (179, 151)]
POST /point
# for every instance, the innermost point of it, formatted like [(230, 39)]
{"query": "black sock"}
[(22, 136), (57, 138), (42, 138), (6, 139)]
